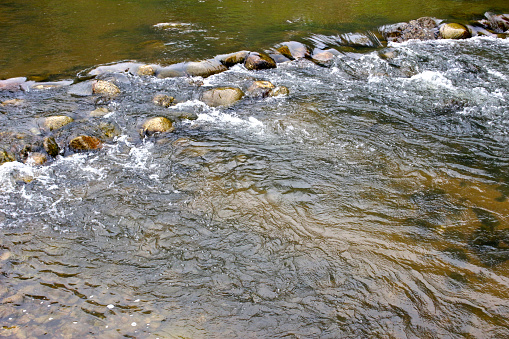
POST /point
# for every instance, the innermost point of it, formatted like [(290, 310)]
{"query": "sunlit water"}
[(357, 206)]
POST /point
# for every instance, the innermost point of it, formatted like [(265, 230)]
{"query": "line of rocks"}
[(101, 81)]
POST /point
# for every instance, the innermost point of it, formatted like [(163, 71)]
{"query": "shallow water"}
[(369, 202)]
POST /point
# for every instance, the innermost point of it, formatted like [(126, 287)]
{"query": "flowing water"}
[(372, 201)]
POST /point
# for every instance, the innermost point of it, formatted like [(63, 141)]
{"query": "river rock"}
[(260, 89), (106, 88), (123, 67), (293, 50), (36, 158), (82, 89), (205, 68), (233, 59), (85, 143), (99, 112), (146, 70), (279, 90), (12, 84), (163, 100), (222, 96), (156, 125), (424, 28), (454, 31), (256, 61), (50, 146), (56, 122), (497, 23), (172, 71), (13, 102), (324, 57)]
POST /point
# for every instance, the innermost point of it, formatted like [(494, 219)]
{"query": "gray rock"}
[(205, 68), (222, 96)]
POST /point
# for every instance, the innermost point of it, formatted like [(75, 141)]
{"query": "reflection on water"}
[(369, 202)]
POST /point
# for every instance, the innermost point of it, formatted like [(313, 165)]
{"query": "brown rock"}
[(146, 70), (222, 96), (256, 61), (56, 122), (156, 125), (260, 89), (13, 102), (163, 100), (232, 59), (279, 90), (454, 31), (99, 112), (51, 146), (293, 50), (105, 87), (205, 68), (36, 158), (85, 143)]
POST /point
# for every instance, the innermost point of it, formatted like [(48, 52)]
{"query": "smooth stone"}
[(12, 84), (13, 102), (293, 50), (56, 122), (82, 89), (257, 61), (123, 67), (454, 31), (324, 57), (85, 143), (146, 70), (36, 158), (205, 68), (163, 100), (222, 96), (51, 85), (106, 88), (233, 59), (172, 71), (156, 125), (50, 146), (260, 89), (99, 112)]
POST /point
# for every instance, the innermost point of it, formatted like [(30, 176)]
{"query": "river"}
[(369, 202)]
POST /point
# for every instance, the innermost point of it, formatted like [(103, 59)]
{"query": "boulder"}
[(105, 88), (156, 125), (424, 28), (233, 59), (85, 143), (51, 146), (222, 96), (57, 121), (257, 61), (454, 31), (260, 89), (163, 100), (205, 68)]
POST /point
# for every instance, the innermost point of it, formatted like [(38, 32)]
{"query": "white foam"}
[(433, 78)]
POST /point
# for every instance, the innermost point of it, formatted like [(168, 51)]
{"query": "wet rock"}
[(497, 23), (82, 89), (222, 96), (108, 130), (279, 58), (174, 116), (257, 61), (36, 159), (233, 59), (56, 122), (156, 125), (293, 50), (205, 68), (12, 84), (172, 71), (51, 85), (324, 57), (424, 28), (279, 90), (359, 40), (85, 143), (50, 146), (123, 67), (13, 102), (146, 70), (163, 100), (454, 31), (99, 112), (105, 88), (260, 89), (6, 157)]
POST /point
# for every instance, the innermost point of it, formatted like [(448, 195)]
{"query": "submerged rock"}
[(56, 122), (13, 102), (279, 90), (257, 61), (106, 88), (172, 71), (233, 59), (324, 57), (99, 112), (260, 89), (359, 40), (85, 143), (222, 96), (156, 125), (50, 146), (205, 68), (454, 31), (163, 100), (293, 50)]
